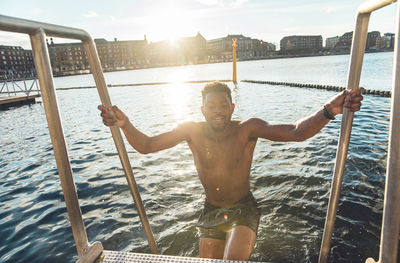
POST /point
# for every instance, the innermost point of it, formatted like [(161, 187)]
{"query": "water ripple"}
[(290, 180)]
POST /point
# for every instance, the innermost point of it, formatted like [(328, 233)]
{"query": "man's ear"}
[(233, 107), (202, 109)]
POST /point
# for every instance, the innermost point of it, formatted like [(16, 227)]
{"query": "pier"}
[(10, 89), (7, 102)]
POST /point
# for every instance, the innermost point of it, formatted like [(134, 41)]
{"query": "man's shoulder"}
[(252, 122), (190, 126)]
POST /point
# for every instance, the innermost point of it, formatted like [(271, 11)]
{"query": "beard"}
[(218, 123)]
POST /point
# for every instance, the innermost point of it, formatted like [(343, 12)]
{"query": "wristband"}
[(327, 114)]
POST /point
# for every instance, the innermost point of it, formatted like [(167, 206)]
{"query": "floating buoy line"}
[(382, 93)]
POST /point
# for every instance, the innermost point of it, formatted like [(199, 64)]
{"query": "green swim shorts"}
[(215, 222)]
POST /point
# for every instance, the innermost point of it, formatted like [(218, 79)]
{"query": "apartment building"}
[(71, 58), (122, 55), (67, 58), (331, 42), (220, 49), (16, 62), (181, 51)]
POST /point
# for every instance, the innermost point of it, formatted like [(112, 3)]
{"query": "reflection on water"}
[(177, 96), (328, 70), (290, 180)]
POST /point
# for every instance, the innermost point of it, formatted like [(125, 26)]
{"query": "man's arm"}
[(309, 126), (140, 141)]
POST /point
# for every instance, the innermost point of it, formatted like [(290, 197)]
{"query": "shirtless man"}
[(223, 151)]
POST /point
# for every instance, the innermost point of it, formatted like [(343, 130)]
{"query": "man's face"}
[(217, 110)]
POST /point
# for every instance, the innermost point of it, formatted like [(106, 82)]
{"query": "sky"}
[(268, 20)]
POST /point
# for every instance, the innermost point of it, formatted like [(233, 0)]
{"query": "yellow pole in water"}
[(234, 45)]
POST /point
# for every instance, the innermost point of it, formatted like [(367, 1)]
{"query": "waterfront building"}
[(122, 55), (71, 58), (16, 62), (194, 49), (67, 58), (330, 42), (181, 51), (388, 41), (385, 42), (262, 49), (373, 38), (344, 42), (301, 44), (220, 49), (374, 42)]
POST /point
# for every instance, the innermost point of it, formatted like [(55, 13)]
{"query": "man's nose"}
[(218, 109)]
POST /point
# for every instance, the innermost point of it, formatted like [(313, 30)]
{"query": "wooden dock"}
[(7, 102)]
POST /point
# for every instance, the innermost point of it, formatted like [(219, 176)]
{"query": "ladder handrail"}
[(38, 32), (356, 59), (370, 6), (391, 209)]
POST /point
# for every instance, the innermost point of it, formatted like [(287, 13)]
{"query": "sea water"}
[(290, 180)]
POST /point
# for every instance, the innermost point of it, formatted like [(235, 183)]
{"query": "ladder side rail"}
[(391, 210), (373, 5), (97, 72), (42, 63), (31, 27), (353, 80)]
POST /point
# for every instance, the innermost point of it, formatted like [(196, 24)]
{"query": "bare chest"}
[(224, 154)]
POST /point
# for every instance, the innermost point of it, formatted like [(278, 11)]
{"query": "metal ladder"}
[(391, 213), (91, 252), (37, 32)]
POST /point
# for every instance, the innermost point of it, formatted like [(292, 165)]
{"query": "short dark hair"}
[(216, 87)]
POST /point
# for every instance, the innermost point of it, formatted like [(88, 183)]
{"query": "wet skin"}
[(223, 151)]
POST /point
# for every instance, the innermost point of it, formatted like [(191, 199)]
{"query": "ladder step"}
[(126, 257)]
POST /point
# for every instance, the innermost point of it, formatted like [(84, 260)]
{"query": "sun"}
[(170, 23)]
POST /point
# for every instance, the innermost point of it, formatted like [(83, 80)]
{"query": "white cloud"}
[(238, 3), (208, 2), (223, 3), (91, 14), (15, 39), (37, 11), (329, 10)]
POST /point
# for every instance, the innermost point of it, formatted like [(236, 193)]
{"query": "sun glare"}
[(171, 22), (179, 75), (178, 93)]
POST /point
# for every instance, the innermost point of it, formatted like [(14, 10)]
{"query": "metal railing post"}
[(353, 80), (42, 63), (37, 32), (119, 143), (391, 210)]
